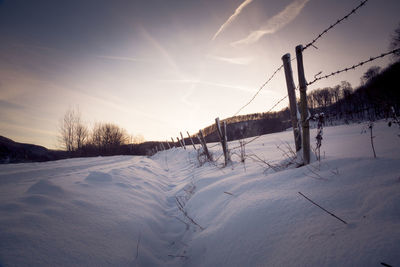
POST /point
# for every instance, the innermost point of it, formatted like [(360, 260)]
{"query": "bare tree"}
[(67, 129), (395, 42), (73, 133), (369, 74), (82, 134), (108, 137)]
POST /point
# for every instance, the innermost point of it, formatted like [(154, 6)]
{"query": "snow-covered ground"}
[(168, 211)]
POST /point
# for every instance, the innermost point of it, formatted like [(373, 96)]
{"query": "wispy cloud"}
[(212, 84), (119, 58), (277, 22), (159, 48), (233, 60), (232, 17)]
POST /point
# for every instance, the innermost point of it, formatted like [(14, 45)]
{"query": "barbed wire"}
[(354, 66), (259, 90), (334, 24), (277, 103)]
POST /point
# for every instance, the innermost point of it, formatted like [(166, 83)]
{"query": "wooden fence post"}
[(162, 146), (173, 142), (169, 147), (303, 105), (223, 139), (203, 143), (191, 140), (179, 141), (183, 141), (292, 100)]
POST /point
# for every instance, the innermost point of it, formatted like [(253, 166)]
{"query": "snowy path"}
[(123, 211), (99, 211)]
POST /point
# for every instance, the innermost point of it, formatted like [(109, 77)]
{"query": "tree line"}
[(103, 139)]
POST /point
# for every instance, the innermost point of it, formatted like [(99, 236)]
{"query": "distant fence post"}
[(292, 100), (191, 140), (223, 139), (179, 141), (183, 141), (173, 142), (203, 143), (303, 105), (169, 147), (162, 146)]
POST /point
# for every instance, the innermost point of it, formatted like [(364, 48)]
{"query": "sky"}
[(158, 67)]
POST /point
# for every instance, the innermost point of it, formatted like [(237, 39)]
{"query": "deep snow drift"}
[(167, 210)]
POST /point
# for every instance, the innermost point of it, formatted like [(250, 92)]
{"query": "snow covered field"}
[(168, 211)]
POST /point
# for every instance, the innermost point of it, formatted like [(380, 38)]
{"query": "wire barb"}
[(354, 66), (333, 25)]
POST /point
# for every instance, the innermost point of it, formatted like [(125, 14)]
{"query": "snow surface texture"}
[(168, 211)]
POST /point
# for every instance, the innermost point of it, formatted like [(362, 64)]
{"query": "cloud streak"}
[(232, 17), (118, 58), (234, 60), (277, 22)]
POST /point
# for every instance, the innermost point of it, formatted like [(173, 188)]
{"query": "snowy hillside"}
[(168, 211)]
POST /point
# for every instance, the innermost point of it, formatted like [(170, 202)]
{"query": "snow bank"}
[(168, 211)]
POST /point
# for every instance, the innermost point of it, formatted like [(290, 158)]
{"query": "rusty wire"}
[(334, 24), (354, 66)]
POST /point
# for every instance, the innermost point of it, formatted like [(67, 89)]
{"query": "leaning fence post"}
[(183, 141), (222, 138), (303, 105), (169, 147), (204, 144), (191, 140), (173, 142), (179, 141), (292, 99)]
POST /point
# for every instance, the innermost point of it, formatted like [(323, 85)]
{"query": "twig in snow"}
[(385, 264), (319, 177), (370, 126), (323, 208), (228, 193), (178, 256), (187, 225), (180, 207), (137, 246)]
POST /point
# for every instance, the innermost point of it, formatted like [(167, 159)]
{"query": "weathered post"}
[(191, 140), (173, 142), (303, 105), (169, 147), (179, 142), (292, 100), (223, 139), (203, 142), (183, 141)]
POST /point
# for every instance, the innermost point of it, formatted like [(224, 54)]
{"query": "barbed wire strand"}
[(277, 103), (354, 66), (334, 24), (259, 90)]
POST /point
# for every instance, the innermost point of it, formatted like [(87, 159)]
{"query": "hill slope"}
[(168, 211)]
